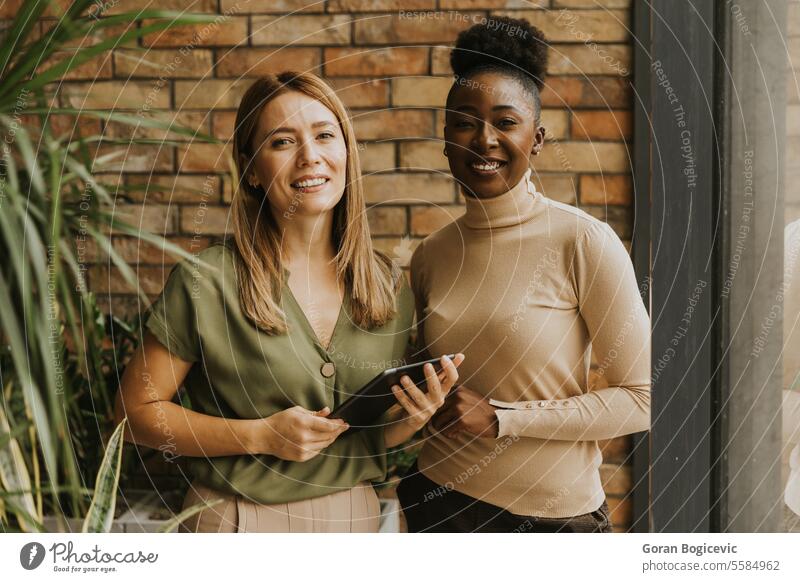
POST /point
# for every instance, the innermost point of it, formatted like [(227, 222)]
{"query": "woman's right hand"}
[(295, 434)]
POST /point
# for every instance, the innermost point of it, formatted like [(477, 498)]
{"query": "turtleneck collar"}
[(509, 208)]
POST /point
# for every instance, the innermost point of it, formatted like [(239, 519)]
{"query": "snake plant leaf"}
[(14, 477), (101, 510)]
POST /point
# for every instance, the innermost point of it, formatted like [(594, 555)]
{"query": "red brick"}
[(362, 91), (606, 92), (385, 220), (405, 188), (427, 219), (578, 25), (591, 3), (94, 69), (137, 158), (272, 6), (258, 62), (376, 157), (556, 123), (227, 31), (72, 125), (393, 29), (203, 157), (300, 30), (606, 189), (151, 280), (347, 62), (423, 155), (420, 91), (222, 124), (9, 8), (393, 124), (174, 188), (491, 4), (576, 156), (581, 59), (210, 93), (156, 218), (562, 92), (192, 6), (155, 63), (611, 125), (209, 220), (440, 61), (134, 250), (558, 187), (195, 121), (85, 41), (379, 5), (138, 95)]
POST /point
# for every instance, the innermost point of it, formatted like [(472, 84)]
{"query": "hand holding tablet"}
[(366, 406)]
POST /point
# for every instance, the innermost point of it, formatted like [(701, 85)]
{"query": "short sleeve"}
[(172, 318)]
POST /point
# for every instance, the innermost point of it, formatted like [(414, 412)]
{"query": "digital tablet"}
[(366, 406)]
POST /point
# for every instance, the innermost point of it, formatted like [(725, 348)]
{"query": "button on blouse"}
[(241, 372)]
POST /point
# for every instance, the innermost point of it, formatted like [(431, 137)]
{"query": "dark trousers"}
[(430, 507)]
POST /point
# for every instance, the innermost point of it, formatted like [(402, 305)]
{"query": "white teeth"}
[(310, 183), (486, 167)]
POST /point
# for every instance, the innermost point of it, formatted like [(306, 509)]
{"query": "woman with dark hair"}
[(527, 288), (271, 330)]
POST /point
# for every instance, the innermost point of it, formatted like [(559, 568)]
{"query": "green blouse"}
[(242, 372)]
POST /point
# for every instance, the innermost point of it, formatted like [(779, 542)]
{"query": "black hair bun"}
[(501, 42)]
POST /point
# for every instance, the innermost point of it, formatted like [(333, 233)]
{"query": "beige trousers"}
[(351, 510)]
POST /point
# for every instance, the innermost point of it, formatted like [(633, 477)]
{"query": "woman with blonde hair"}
[(271, 330)]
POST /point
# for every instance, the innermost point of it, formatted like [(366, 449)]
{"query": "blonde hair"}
[(371, 276)]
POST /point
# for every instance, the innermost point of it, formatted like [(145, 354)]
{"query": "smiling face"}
[(300, 156), (490, 133)]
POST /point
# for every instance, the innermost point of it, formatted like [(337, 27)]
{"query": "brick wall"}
[(391, 69)]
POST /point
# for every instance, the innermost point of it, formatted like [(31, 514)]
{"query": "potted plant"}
[(58, 363)]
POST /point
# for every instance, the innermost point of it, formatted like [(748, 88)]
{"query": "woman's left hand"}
[(465, 410), (420, 406)]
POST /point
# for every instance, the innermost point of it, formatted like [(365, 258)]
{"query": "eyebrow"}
[(284, 129)]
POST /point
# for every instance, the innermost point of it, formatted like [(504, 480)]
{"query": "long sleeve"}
[(417, 350), (619, 330)]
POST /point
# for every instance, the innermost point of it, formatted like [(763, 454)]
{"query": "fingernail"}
[(429, 367)]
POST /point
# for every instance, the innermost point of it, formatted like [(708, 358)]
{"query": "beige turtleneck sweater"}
[(526, 288)]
